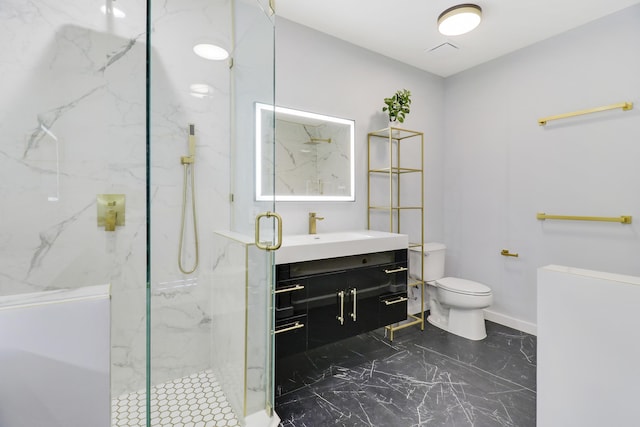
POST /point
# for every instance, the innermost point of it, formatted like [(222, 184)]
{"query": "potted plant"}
[(398, 105)]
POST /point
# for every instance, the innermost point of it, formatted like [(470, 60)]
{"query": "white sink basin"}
[(306, 247)]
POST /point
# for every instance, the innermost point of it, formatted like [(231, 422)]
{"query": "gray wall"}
[(489, 166), (501, 167), (321, 74)]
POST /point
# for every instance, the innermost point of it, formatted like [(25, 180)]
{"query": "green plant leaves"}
[(398, 105)]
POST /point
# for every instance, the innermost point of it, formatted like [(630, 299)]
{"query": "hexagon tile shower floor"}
[(193, 401)]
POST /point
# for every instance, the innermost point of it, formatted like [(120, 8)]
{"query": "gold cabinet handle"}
[(353, 294), (289, 327), (396, 270), (261, 245), (396, 301), (341, 317), (289, 289), (505, 252)]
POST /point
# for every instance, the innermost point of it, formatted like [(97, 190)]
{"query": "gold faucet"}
[(312, 222)]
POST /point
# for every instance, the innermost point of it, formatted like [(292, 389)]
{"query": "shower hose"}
[(187, 168)]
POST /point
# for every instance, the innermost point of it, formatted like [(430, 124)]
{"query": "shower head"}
[(316, 141)]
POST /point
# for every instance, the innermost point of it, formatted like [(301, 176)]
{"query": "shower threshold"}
[(193, 401)]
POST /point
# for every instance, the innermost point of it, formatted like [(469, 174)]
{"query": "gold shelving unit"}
[(395, 155)]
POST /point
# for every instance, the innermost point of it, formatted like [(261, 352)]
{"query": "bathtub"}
[(54, 358)]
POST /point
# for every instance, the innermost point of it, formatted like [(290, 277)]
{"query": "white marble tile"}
[(72, 118)]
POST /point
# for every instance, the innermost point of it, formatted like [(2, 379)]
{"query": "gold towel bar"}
[(624, 105), (624, 219)]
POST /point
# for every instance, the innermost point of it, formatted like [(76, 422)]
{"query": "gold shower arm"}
[(624, 219), (624, 105)]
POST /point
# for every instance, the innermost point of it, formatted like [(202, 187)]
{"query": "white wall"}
[(81, 75), (573, 388), (501, 167), (489, 166), (319, 73)]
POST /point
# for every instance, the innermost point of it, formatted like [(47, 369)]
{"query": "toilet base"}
[(467, 324)]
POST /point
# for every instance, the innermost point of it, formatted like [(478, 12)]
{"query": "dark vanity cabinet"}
[(321, 301)]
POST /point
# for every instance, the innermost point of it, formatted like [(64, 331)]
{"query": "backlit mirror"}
[(314, 156)]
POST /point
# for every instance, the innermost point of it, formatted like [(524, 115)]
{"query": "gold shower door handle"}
[(505, 252), (263, 246)]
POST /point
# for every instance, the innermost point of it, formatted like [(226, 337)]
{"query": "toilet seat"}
[(463, 286)]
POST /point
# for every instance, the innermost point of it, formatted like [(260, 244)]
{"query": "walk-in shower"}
[(97, 97)]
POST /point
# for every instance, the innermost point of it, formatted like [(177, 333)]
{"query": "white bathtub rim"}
[(95, 292)]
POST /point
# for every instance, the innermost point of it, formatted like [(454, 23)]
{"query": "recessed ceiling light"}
[(459, 19), (114, 11), (210, 51), (200, 90)]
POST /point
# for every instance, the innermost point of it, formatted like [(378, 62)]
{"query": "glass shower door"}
[(253, 83), (208, 358), (72, 174)]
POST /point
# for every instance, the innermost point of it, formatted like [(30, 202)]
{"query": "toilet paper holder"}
[(505, 252)]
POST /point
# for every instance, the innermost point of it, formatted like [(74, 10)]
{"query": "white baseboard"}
[(511, 322)]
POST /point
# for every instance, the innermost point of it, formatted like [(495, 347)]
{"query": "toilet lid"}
[(463, 286)]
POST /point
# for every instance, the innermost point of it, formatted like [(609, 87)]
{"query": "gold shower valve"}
[(111, 210), (110, 220)]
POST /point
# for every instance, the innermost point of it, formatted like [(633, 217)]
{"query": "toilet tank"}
[(434, 261)]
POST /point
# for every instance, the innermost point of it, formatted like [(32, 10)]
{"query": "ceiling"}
[(406, 29)]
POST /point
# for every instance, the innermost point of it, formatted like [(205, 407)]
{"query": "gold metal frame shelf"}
[(392, 170), (417, 320), (623, 219), (395, 133), (386, 208), (625, 106), (395, 170)]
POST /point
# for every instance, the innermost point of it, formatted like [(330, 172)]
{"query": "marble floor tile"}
[(423, 378)]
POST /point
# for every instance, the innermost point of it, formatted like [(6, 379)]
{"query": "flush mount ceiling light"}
[(459, 19), (210, 51)]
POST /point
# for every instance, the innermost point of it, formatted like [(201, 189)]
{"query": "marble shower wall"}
[(240, 332), (311, 159), (181, 304), (72, 120)]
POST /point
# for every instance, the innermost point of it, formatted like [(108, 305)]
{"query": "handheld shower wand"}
[(192, 139), (188, 166), (187, 160)]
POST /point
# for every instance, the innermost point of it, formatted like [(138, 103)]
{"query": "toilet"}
[(455, 304)]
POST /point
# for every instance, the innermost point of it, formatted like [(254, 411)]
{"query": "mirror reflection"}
[(313, 153)]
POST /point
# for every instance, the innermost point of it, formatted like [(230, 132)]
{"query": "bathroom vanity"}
[(319, 301)]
